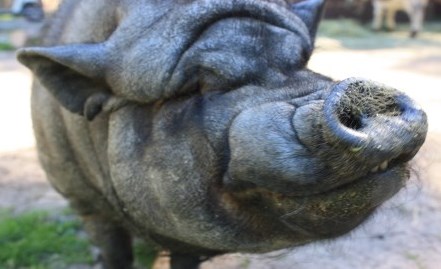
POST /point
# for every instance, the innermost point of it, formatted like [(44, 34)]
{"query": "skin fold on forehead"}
[(148, 56)]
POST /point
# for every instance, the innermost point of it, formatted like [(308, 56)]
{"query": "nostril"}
[(363, 99), (349, 119), (351, 106)]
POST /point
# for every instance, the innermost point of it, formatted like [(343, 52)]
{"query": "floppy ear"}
[(73, 74), (310, 12)]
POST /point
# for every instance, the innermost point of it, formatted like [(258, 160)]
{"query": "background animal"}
[(387, 9)]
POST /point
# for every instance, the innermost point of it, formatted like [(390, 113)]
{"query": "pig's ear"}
[(74, 74), (310, 11)]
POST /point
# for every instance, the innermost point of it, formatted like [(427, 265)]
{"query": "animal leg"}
[(378, 16), (114, 241), (390, 19), (416, 20)]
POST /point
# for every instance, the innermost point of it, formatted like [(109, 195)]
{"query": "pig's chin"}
[(339, 210), (329, 213)]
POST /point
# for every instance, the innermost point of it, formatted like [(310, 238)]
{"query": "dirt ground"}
[(404, 234)]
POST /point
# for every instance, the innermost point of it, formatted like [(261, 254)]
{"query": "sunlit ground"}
[(14, 106)]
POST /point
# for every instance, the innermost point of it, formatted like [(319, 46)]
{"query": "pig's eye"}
[(304, 57)]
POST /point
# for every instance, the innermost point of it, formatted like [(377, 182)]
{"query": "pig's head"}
[(285, 155)]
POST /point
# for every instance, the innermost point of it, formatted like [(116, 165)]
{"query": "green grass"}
[(432, 27), (352, 35), (39, 241), (144, 255), (343, 28), (6, 46), (6, 17)]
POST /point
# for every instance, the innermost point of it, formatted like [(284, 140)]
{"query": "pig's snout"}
[(316, 143), (365, 116)]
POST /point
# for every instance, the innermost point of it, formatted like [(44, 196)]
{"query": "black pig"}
[(196, 125)]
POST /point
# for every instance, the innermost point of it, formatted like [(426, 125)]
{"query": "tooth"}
[(384, 165), (356, 149), (375, 169)]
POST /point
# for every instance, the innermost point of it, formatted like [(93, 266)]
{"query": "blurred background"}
[(37, 231)]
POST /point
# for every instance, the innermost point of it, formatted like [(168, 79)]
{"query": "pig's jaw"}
[(316, 216)]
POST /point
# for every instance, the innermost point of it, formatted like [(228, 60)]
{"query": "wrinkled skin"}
[(196, 125)]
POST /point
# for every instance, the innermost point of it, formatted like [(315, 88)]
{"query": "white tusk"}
[(384, 165), (375, 169)]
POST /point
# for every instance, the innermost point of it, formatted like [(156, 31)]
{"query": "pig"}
[(197, 126)]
